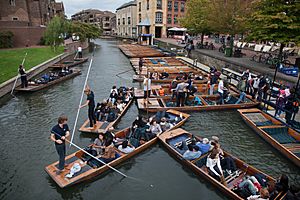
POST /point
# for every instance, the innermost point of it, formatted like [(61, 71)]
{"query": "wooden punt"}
[(36, 87), (158, 61), (202, 89), (139, 51), (104, 126), (69, 64), (208, 103), (138, 78), (88, 172), (172, 137), (286, 140)]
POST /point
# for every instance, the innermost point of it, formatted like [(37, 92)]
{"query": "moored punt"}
[(87, 172), (32, 87), (284, 139), (139, 78), (139, 51), (102, 126), (202, 89), (69, 64), (157, 61), (172, 138), (208, 102)]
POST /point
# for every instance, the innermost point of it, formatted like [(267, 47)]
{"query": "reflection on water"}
[(25, 149)]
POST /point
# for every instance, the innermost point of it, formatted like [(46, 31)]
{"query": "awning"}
[(145, 22), (146, 35), (177, 29)]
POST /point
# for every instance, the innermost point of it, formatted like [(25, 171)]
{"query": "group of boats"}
[(284, 139)]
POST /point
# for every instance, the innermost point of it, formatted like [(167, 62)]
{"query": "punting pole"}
[(71, 143), (75, 55), (12, 91), (81, 98)]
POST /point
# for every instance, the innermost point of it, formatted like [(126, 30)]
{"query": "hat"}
[(205, 141), (282, 92)]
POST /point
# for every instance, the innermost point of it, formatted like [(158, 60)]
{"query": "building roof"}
[(130, 3)]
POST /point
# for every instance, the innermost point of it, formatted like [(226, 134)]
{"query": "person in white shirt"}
[(147, 88), (221, 91), (79, 50), (255, 86), (214, 165), (125, 148)]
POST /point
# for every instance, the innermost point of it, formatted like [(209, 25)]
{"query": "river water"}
[(25, 147)]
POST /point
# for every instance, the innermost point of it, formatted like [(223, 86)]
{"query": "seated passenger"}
[(164, 124), (120, 105), (214, 165), (109, 135), (155, 128), (113, 97), (125, 148), (282, 184), (192, 152), (139, 122), (99, 144), (109, 152), (114, 88), (127, 97), (247, 186), (164, 75), (155, 76), (204, 146)]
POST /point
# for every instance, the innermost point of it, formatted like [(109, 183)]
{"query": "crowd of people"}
[(219, 166), (142, 130)]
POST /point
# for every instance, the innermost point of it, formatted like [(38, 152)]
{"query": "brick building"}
[(27, 19), (175, 10), (102, 19)]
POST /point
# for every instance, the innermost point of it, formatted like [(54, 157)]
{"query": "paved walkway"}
[(245, 62)]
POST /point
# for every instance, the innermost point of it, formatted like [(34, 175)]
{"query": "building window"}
[(169, 18), (148, 5), (140, 18), (175, 19), (158, 17), (15, 18), (123, 21), (12, 2), (169, 5), (119, 21), (182, 5), (140, 6), (159, 4), (129, 22), (107, 18), (175, 6)]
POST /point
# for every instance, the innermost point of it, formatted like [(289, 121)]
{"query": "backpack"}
[(111, 117)]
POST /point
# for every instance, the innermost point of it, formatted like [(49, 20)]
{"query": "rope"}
[(81, 98), (12, 91)]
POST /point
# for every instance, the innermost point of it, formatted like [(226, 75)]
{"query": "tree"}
[(85, 31), (275, 20), (195, 19), (54, 34), (228, 16)]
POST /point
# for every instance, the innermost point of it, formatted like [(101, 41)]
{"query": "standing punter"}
[(90, 102), (58, 135), (23, 76)]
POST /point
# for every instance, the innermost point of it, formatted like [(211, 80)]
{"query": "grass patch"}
[(11, 59)]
